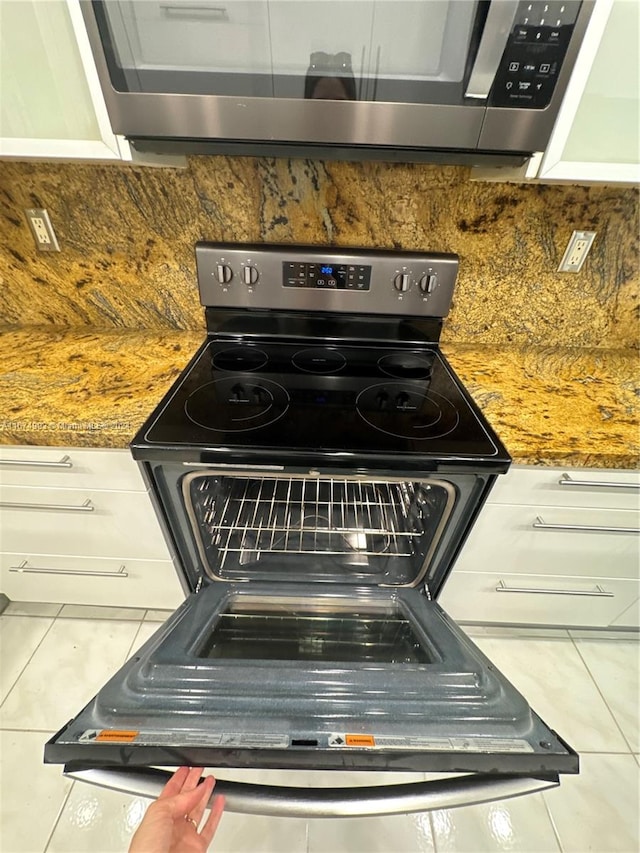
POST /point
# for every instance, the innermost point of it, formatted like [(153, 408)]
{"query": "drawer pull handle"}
[(87, 506), (566, 480), (65, 462), (42, 570), (541, 524), (218, 13), (598, 592)]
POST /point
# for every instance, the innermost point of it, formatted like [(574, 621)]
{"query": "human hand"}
[(171, 823)]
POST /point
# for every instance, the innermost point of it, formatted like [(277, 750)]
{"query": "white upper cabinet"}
[(51, 104), (597, 134)]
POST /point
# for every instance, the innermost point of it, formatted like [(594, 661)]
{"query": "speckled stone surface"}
[(127, 235), (85, 387), (94, 388), (557, 405)]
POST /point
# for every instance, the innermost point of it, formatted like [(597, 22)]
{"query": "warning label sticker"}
[(246, 740), (360, 740), (478, 744), (116, 736)]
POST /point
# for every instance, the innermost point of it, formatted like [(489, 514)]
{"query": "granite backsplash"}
[(127, 235)]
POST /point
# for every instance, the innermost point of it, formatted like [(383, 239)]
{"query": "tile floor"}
[(584, 684)]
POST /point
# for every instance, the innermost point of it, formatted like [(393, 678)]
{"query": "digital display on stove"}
[(326, 276)]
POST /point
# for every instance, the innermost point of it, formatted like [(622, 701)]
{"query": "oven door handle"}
[(279, 801)]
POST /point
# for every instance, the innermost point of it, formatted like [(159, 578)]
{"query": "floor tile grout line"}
[(593, 678), (433, 832), (552, 822), (22, 671), (133, 645), (58, 816)]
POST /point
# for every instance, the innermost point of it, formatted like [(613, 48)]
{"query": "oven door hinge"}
[(427, 592), (198, 585)]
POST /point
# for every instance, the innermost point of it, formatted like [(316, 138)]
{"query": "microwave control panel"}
[(533, 57)]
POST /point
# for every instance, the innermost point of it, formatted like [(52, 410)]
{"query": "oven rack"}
[(329, 516)]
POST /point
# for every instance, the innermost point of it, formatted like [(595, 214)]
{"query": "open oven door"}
[(347, 678)]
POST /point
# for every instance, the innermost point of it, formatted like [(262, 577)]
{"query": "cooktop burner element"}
[(407, 411), (319, 360), (240, 358), (405, 365), (237, 404)]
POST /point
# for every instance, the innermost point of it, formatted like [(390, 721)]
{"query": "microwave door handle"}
[(494, 38), (279, 801)]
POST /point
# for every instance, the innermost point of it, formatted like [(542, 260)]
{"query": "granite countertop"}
[(93, 387)]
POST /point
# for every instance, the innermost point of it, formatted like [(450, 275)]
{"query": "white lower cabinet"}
[(90, 580), (552, 547), (77, 526)]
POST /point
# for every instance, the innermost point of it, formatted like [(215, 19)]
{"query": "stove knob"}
[(382, 398), (428, 283), (223, 273), (401, 400), (401, 282), (250, 274)]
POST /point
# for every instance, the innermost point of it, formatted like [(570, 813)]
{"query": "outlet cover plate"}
[(42, 229), (576, 251)]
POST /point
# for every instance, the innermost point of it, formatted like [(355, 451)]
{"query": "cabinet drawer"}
[(554, 540), (69, 468), (580, 487), (90, 580), (81, 522), (537, 599)]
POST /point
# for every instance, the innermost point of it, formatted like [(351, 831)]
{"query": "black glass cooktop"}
[(331, 399)]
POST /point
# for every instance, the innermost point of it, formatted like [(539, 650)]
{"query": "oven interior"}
[(317, 529)]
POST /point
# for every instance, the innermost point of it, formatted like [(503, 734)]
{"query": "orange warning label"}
[(360, 740), (116, 736)]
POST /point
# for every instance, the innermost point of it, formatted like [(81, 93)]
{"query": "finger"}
[(205, 790), (174, 785), (210, 827), (184, 803), (193, 777)]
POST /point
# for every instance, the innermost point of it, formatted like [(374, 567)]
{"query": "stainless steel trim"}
[(65, 462), (492, 44), (435, 540), (599, 592), (87, 506), (276, 801), (540, 524), (42, 570), (567, 480)]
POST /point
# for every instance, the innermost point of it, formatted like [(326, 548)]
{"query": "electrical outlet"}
[(576, 251), (42, 229)]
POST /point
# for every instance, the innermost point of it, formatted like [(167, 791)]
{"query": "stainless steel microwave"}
[(410, 80)]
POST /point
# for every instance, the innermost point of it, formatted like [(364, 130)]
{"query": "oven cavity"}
[(316, 528)]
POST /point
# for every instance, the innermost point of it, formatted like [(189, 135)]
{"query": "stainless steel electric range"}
[(316, 469)]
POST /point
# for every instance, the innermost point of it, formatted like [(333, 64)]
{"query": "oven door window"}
[(318, 529), (301, 631), (250, 675)]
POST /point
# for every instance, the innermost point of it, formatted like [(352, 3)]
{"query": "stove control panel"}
[(325, 279)]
